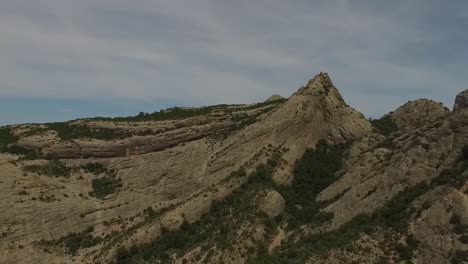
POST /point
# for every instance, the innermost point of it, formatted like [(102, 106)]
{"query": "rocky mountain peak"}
[(419, 113), (461, 101), (320, 85), (275, 97)]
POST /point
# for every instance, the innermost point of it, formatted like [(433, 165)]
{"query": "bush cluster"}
[(314, 172), (54, 167), (177, 113), (104, 186), (95, 168), (67, 131), (385, 125), (74, 241), (6, 139)]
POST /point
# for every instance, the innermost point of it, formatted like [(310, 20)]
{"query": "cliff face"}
[(237, 184)]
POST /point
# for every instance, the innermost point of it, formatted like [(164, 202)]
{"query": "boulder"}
[(273, 204)]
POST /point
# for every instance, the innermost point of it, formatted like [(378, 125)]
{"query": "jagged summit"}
[(321, 84)]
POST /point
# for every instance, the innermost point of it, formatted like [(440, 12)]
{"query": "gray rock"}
[(461, 101)]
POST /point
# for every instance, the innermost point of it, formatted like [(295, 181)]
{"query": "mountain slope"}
[(302, 180)]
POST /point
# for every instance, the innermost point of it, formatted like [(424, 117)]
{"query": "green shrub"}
[(74, 241), (6, 138), (54, 168), (67, 131), (314, 172), (404, 251), (95, 168), (465, 153), (459, 257), (385, 125), (104, 186), (177, 113)]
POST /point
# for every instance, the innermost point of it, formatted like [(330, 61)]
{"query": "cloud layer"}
[(379, 53)]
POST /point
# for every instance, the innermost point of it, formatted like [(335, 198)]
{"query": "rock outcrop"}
[(273, 204), (418, 113), (461, 101), (274, 97)]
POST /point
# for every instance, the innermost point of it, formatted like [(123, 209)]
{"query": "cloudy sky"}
[(63, 59)]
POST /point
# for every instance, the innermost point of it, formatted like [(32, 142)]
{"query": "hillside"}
[(306, 179)]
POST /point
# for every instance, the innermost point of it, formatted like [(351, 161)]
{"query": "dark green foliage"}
[(215, 228), (404, 251), (455, 219), (150, 213), (465, 153), (464, 239), (25, 154), (385, 125), (6, 138), (67, 131), (314, 172), (455, 177), (394, 214), (53, 167), (95, 168), (459, 257), (74, 241), (104, 186)]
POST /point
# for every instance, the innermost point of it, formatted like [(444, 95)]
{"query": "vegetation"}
[(67, 131), (176, 113), (216, 228), (74, 241), (385, 125), (8, 143), (6, 138), (53, 167), (95, 168), (459, 257), (104, 186), (465, 153), (393, 215), (314, 172)]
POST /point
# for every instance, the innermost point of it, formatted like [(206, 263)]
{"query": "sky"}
[(65, 59)]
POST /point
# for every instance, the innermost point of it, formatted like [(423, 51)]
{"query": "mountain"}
[(306, 179)]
